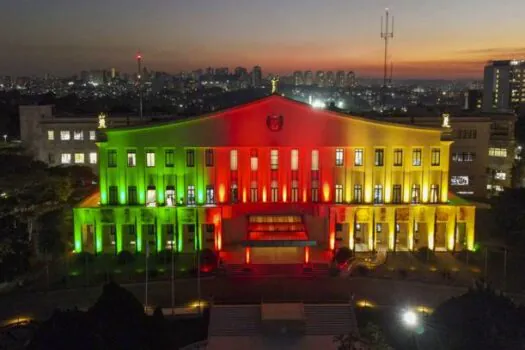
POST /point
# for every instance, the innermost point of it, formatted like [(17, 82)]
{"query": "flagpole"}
[(147, 272), (198, 259)]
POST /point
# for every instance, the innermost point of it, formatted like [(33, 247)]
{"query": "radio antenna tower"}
[(139, 82), (387, 33)]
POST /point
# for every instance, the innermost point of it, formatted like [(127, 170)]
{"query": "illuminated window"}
[(65, 158), (378, 194), (500, 175), (435, 157), (459, 180), (396, 194), (79, 158), (253, 191), (132, 195), (358, 194), (209, 157), (274, 191), (78, 135), (169, 156), (233, 160), (132, 159), (234, 193), (113, 195), (210, 194), (274, 159), (315, 191), (498, 152), (151, 197), (190, 158), (315, 159), (358, 157), (398, 157), (92, 135), (65, 135), (254, 160), (416, 157), (379, 157), (339, 193), (339, 157), (295, 159), (464, 157), (416, 194), (191, 195), (434, 193), (112, 158), (93, 158), (170, 196), (295, 191), (51, 135), (150, 159)]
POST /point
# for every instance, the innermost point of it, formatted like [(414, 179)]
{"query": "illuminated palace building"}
[(270, 180)]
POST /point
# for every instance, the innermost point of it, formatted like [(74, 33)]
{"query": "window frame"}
[(417, 157), (150, 159), (359, 160), (190, 158), (209, 156), (131, 158), (169, 158), (433, 160), (112, 158), (398, 157), (339, 157)]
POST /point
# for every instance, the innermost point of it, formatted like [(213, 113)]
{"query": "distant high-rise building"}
[(319, 78), (350, 80), (308, 78), (504, 85), (240, 72), (257, 76), (473, 100), (298, 78), (222, 71), (330, 79), (340, 78), (113, 73)]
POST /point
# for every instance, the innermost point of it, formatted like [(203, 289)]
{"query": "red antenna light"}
[(139, 56)]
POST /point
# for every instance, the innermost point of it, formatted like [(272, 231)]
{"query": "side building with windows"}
[(273, 180), (66, 139)]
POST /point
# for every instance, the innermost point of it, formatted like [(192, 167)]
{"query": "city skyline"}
[(432, 40)]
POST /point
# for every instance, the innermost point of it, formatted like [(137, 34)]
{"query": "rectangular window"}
[(65, 158), (151, 197), (209, 157), (435, 157), (274, 159), (434, 193), (339, 193), (112, 158), (190, 158), (170, 196), (358, 194), (234, 193), (398, 157), (339, 157), (92, 135), (113, 195), (79, 158), (132, 195), (169, 157), (416, 194), (210, 194), (191, 195), (358, 157), (234, 160), (150, 159), (78, 135), (253, 192), (65, 135), (500, 175), (379, 157), (274, 193), (51, 135), (295, 191), (378, 194), (93, 158), (396, 194), (498, 152), (254, 160), (132, 159), (315, 159), (416, 157), (295, 159), (459, 180)]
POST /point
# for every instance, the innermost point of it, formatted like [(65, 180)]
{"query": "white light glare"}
[(340, 104), (410, 318), (318, 104)]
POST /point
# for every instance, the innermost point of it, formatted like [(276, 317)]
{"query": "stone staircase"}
[(238, 320), (276, 270), (326, 319)]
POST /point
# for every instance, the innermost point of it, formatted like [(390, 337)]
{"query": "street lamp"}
[(410, 318), (5, 138)]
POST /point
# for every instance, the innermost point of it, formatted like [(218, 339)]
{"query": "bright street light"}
[(410, 318)]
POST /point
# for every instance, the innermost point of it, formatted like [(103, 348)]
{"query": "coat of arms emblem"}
[(275, 122)]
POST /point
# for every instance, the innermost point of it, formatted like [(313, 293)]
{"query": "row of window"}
[(498, 152), (76, 158), (379, 158), (463, 157), (378, 196), (465, 134), (65, 135)]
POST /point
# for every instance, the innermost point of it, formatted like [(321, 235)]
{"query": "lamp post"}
[(5, 138)]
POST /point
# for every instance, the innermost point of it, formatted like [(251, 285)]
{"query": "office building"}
[(504, 86), (261, 181), (297, 78), (256, 76)]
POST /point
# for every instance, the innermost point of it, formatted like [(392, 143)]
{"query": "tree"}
[(509, 217), (371, 338)]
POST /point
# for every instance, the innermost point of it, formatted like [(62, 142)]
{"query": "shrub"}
[(342, 255), (125, 257), (424, 254)]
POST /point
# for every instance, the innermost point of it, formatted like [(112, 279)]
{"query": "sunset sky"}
[(433, 38)]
